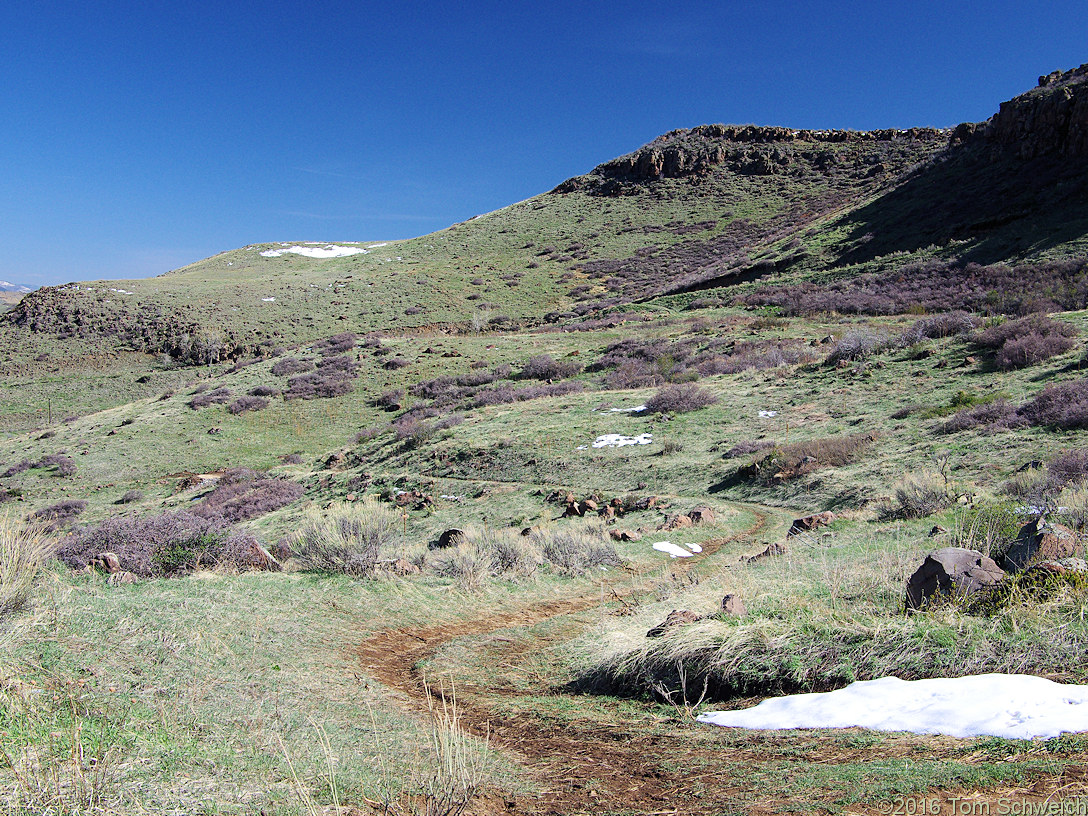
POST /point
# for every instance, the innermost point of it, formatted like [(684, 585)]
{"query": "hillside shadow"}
[(999, 205)]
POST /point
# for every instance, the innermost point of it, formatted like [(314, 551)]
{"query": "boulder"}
[(678, 617), (625, 535), (804, 525), (701, 515), (733, 606), (122, 577), (608, 512), (588, 506), (1040, 541), (450, 538), (677, 523), (951, 571), (573, 510)]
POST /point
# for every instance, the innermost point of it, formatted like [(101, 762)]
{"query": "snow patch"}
[(764, 413), (121, 291), (677, 550), (619, 440), (637, 409), (268, 300), (325, 251), (1013, 706)]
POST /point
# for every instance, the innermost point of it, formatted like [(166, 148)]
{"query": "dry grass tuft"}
[(22, 552)]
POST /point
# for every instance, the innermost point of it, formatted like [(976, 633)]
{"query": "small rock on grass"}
[(678, 617)]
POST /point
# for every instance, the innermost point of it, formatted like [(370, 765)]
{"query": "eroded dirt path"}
[(587, 767)]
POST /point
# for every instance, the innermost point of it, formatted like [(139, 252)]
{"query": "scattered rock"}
[(1060, 566), (772, 549), (951, 571), (588, 506), (335, 461), (803, 525), (402, 567), (450, 538), (734, 606), (625, 535), (1040, 541), (678, 617), (123, 577), (937, 530), (607, 513), (214, 431), (107, 562)]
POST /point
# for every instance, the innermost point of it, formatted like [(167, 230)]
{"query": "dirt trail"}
[(581, 768)]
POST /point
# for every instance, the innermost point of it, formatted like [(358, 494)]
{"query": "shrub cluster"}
[(64, 465), (791, 461), (948, 324), (244, 494), (1064, 406), (544, 367), (679, 399), (937, 286), (337, 344), (215, 397), (168, 544), (291, 365), (859, 345), (347, 538), (1028, 341), (919, 495), (507, 393), (56, 516), (333, 378), (247, 403)]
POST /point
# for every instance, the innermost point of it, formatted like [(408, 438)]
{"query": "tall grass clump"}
[(918, 495), (484, 552), (348, 538), (23, 550), (576, 550)]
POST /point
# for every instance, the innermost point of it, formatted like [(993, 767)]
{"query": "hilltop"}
[(699, 209)]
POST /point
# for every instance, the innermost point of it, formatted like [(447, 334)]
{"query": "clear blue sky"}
[(141, 136)]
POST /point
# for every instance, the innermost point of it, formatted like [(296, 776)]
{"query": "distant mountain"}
[(14, 287)]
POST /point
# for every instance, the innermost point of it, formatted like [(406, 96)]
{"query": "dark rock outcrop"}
[(951, 572), (1050, 119)]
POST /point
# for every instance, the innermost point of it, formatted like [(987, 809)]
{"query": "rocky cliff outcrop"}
[(743, 149), (1051, 119)]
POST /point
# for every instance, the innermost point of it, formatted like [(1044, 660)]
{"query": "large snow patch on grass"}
[(1013, 706)]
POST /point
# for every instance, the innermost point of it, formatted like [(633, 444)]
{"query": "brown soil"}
[(589, 765)]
